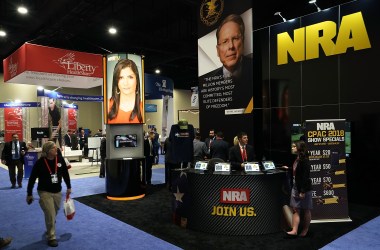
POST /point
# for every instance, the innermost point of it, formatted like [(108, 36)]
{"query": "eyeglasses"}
[(233, 40)]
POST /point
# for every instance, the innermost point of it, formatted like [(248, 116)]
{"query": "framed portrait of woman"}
[(124, 89)]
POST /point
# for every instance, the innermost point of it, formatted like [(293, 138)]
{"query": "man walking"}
[(13, 156)]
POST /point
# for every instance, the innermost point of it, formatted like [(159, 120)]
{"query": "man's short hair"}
[(241, 134), (220, 134), (198, 135), (232, 18)]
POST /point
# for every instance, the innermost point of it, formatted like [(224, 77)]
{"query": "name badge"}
[(222, 167), (54, 178), (251, 167), (200, 165)]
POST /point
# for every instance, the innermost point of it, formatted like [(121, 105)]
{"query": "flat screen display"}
[(39, 133), (125, 141), (268, 165)]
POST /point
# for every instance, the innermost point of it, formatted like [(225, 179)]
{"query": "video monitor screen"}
[(268, 165), (297, 132), (39, 133), (124, 141)]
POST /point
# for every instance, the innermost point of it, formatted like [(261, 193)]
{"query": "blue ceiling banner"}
[(156, 87), (68, 97), (20, 105)]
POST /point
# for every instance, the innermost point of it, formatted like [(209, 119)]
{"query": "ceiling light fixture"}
[(157, 71), (3, 33), (112, 30), (315, 3), (22, 10), (279, 14)]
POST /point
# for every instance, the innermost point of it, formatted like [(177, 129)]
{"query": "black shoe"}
[(19, 185), (101, 176), (5, 241), (53, 243), (290, 236), (13, 186)]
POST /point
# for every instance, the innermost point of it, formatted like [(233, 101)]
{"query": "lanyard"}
[(47, 165)]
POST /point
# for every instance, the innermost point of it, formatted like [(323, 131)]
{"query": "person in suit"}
[(13, 156), (83, 142), (103, 155), (156, 145), (237, 69), (241, 153), (200, 149), (209, 140), (67, 138), (219, 148), (149, 159)]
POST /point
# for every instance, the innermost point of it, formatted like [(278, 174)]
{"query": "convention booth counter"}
[(235, 203), (123, 179)]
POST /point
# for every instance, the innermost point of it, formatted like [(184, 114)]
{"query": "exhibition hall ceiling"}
[(164, 31)]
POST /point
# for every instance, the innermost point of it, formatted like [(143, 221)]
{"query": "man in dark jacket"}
[(241, 153), (13, 156), (103, 155), (219, 148), (149, 159)]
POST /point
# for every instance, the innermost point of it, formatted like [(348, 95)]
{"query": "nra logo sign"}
[(235, 196)]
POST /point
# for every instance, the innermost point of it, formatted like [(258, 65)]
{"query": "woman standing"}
[(301, 198), (125, 104), (50, 168)]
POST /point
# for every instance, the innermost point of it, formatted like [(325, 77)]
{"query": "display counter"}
[(123, 180), (235, 203)]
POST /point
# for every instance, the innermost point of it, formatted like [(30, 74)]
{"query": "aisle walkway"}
[(90, 229)]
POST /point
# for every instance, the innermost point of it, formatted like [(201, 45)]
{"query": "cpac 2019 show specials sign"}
[(326, 147)]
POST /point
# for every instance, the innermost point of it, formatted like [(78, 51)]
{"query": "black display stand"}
[(123, 180), (264, 202)]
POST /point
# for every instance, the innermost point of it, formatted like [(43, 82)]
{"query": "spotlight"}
[(315, 3), (279, 14), (157, 71), (3, 33), (112, 30), (22, 10)]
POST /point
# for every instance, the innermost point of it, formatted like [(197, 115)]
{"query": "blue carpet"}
[(367, 236), (90, 229)]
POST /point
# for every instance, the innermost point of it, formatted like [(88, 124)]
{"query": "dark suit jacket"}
[(219, 149), (7, 151), (67, 140), (147, 148), (236, 159)]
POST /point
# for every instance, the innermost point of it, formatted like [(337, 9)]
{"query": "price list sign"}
[(325, 141)]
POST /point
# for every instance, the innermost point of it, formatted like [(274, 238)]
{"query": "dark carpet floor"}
[(153, 215)]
